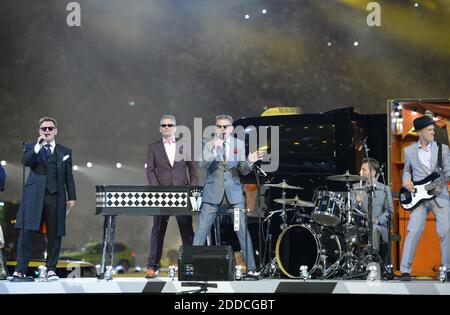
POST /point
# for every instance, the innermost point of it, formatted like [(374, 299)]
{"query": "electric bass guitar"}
[(426, 189)]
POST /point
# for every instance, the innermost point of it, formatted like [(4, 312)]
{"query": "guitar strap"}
[(439, 155)]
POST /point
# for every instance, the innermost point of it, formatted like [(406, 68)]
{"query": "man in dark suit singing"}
[(48, 195), (167, 166)]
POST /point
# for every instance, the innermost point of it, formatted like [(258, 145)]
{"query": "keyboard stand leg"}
[(109, 228)]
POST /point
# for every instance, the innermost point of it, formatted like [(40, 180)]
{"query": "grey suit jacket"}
[(416, 171), (379, 208), (224, 177)]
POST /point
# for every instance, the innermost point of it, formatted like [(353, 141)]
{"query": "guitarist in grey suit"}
[(381, 203), (223, 159), (421, 160)]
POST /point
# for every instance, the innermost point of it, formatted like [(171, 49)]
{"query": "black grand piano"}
[(312, 147), (315, 146)]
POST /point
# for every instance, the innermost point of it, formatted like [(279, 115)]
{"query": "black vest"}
[(51, 183)]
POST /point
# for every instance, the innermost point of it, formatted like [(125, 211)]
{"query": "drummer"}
[(380, 206)]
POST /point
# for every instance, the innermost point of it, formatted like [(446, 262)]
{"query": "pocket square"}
[(65, 157)]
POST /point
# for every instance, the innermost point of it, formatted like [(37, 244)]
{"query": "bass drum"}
[(314, 246)]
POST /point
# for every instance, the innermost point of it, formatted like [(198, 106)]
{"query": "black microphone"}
[(260, 169), (222, 137), (41, 140), (362, 144)]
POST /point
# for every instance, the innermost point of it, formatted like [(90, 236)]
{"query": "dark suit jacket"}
[(161, 173), (30, 211), (2, 178)]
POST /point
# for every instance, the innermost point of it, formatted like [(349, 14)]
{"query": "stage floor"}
[(267, 286)]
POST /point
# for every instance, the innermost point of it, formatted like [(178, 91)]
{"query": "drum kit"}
[(327, 242)]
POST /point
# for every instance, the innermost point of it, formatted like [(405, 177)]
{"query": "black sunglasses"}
[(223, 126), (47, 128), (167, 125)]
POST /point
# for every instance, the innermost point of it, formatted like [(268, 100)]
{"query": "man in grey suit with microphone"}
[(421, 159), (223, 159)]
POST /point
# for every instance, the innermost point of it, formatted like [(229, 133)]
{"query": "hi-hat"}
[(295, 202), (283, 185)]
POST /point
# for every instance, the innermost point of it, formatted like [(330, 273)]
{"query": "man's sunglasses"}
[(223, 126), (167, 125), (47, 128)]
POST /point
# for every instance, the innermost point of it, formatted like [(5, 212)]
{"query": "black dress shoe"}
[(405, 276)]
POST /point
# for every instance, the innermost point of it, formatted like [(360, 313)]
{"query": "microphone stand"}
[(23, 184), (257, 171), (203, 287), (389, 268), (371, 253), (26, 279), (246, 241), (244, 211)]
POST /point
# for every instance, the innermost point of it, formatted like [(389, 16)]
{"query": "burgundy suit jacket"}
[(161, 173)]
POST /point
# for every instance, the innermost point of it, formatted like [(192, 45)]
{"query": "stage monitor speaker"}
[(206, 263)]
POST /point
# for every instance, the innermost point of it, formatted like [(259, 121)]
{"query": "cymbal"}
[(347, 177), (295, 202), (283, 185)]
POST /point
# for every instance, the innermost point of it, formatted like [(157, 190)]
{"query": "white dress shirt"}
[(425, 156), (37, 147), (170, 147), (231, 152)]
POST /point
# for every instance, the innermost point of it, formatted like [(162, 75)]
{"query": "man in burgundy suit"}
[(166, 166)]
